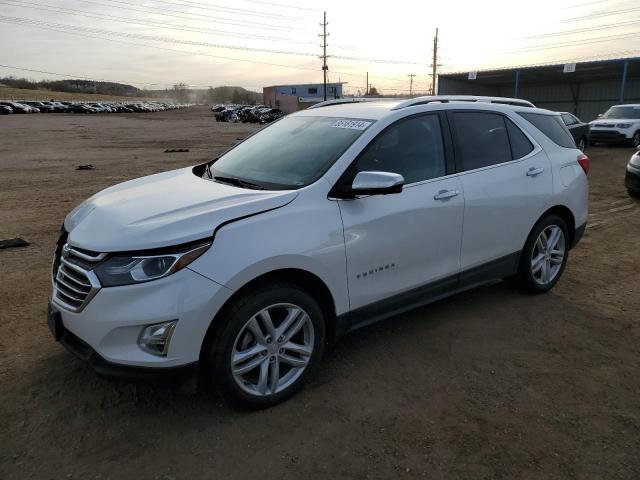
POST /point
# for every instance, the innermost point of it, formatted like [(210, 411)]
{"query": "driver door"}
[(403, 249)]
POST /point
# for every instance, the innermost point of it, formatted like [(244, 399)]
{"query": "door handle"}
[(533, 171), (445, 194)]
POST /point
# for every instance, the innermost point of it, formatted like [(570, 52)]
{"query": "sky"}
[(254, 43)]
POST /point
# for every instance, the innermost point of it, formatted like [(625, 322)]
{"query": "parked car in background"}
[(17, 107), (632, 177), (5, 110), (41, 106), (580, 131), (81, 108), (621, 123), (362, 211)]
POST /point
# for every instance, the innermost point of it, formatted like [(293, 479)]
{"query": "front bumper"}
[(83, 351), (611, 135), (105, 333), (632, 179)]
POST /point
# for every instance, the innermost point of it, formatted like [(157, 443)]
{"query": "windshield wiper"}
[(238, 182)]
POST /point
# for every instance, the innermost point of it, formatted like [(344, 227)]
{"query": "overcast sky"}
[(156, 43)]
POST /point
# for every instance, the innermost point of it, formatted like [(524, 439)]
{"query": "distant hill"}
[(179, 92), (17, 94), (75, 86)]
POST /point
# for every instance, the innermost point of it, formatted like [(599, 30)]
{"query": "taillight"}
[(583, 160)]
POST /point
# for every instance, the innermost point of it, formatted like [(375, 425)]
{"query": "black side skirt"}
[(495, 270)]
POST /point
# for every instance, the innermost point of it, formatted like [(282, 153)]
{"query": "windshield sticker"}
[(352, 124)]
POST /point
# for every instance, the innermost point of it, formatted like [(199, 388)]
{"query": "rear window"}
[(481, 139), (552, 126)]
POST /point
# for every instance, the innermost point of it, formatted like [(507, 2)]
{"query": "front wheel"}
[(269, 345), (544, 256)]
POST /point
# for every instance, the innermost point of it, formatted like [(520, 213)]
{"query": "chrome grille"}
[(74, 283)]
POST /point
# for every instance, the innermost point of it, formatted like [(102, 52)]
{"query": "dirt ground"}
[(490, 384)]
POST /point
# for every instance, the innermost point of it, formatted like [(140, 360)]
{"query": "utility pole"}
[(366, 86), (411, 75), (324, 36), (434, 65)]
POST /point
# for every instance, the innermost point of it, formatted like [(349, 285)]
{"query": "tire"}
[(270, 349), (532, 279), (633, 193), (582, 144), (635, 140)]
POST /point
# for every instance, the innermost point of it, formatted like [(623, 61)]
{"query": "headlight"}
[(635, 160), (125, 269), (623, 125)]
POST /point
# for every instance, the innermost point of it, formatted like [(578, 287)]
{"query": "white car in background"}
[(621, 123), (325, 221)]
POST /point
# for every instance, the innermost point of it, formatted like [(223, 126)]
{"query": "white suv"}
[(621, 123), (325, 221)]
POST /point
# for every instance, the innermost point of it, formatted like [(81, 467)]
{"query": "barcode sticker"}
[(352, 124)]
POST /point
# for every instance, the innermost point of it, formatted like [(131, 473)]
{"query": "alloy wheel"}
[(548, 255), (272, 349)]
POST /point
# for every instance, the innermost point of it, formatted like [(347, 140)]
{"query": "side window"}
[(293, 90), (520, 144), (412, 147), (481, 139), (312, 91), (568, 119), (552, 126)]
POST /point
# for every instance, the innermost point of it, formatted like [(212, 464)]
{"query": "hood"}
[(161, 210)]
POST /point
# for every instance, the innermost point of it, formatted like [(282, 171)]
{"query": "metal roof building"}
[(584, 89)]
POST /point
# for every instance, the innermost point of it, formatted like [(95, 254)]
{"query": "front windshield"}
[(291, 153), (623, 112)]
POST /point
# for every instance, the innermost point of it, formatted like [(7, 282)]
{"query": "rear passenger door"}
[(506, 180)]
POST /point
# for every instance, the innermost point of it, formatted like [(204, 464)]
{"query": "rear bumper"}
[(83, 351)]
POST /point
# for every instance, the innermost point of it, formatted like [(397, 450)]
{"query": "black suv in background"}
[(579, 130)]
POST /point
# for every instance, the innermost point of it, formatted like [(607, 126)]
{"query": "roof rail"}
[(463, 98), (338, 101)]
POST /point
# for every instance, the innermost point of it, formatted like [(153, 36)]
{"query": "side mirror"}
[(377, 183)]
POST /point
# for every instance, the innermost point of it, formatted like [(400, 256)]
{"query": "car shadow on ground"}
[(437, 324)]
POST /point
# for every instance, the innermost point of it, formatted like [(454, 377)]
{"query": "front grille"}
[(74, 282)]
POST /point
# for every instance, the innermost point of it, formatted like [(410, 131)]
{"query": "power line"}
[(585, 4), (22, 20), (597, 15), (573, 43), (189, 53), (618, 55), (196, 17), (582, 30), (234, 11), (158, 38), (282, 5), (154, 23)]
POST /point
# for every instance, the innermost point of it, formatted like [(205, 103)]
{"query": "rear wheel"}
[(634, 193), (582, 144), (544, 256), (272, 340), (635, 140)]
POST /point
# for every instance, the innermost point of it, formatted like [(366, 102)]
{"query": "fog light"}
[(155, 338)]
